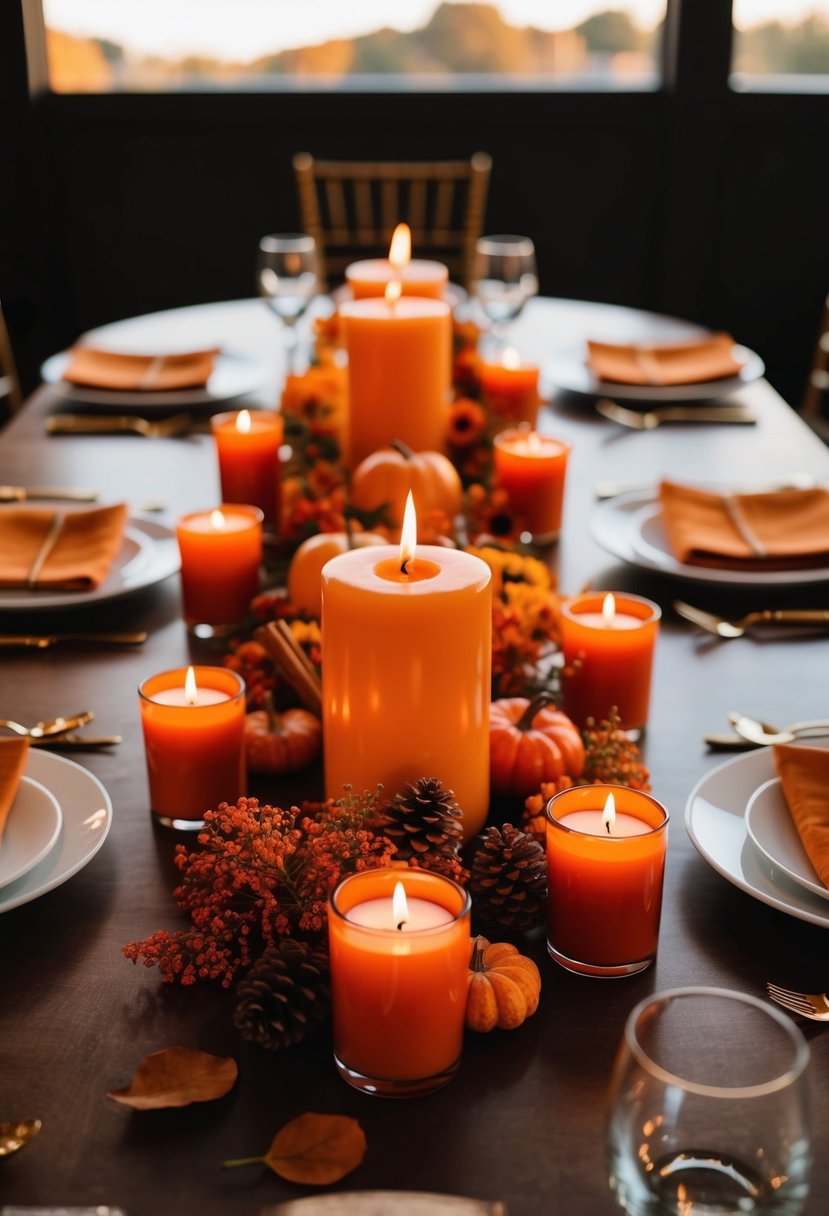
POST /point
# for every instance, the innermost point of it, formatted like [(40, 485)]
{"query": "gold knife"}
[(28, 493), (43, 640), (78, 741)]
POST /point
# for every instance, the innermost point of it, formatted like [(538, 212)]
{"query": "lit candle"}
[(400, 949), (247, 447), (417, 277), (510, 389), (193, 723), (609, 641), (399, 370), (605, 864), (221, 552), (531, 468), (406, 641)]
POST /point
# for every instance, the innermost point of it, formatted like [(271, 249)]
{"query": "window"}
[(781, 44)]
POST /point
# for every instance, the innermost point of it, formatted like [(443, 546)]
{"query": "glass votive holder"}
[(608, 643), (531, 468), (510, 389), (221, 555), (247, 448), (194, 742), (398, 980), (604, 879)]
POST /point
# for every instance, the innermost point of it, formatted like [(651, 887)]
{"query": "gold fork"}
[(814, 1005), (649, 419), (119, 424)]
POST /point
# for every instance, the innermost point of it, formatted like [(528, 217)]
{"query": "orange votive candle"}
[(398, 980), (193, 738), (247, 446), (418, 277), (510, 389), (609, 642), (604, 878), (221, 552), (531, 468)]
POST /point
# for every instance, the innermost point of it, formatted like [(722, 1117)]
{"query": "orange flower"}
[(467, 422)]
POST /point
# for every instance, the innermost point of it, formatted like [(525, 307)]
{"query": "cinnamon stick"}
[(293, 663)]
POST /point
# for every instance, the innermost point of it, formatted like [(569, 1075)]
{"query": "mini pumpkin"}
[(504, 987), (304, 584), (281, 743), (387, 476), (531, 742)]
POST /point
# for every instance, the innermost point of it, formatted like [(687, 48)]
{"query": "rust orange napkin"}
[(783, 530), (804, 778), (41, 548), (685, 363), (95, 368), (13, 753)]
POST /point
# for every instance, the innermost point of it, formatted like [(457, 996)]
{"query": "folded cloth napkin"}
[(13, 753), (804, 779), (95, 368), (686, 363), (781, 530), (41, 548)]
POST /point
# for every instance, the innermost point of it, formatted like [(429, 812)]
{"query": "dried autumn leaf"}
[(313, 1149), (177, 1076)]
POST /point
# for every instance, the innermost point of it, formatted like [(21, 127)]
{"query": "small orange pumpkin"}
[(387, 476), (281, 743), (304, 585), (531, 742), (504, 987)]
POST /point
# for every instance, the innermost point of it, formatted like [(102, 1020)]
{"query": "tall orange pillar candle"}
[(399, 369), (371, 276), (609, 642), (532, 469), (247, 447), (406, 665), (605, 864), (193, 722), (510, 389), (398, 979), (221, 552)]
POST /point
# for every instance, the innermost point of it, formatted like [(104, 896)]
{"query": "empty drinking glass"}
[(287, 274), (504, 278)]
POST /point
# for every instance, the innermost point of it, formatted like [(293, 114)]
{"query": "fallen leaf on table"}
[(177, 1076), (313, 1149)]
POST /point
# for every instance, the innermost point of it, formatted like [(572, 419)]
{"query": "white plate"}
[(233, 376), (771, 829), (715, 820), (149, 553), (32, 828), (630, 527), (568, 370), (87, 817)]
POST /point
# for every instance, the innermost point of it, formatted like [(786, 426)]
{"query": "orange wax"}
[(399, 367), (406, 673), (615, 657), (605, 890), (195, 758), (370, 278), (247, 446), (511, 392), (399, 997), (221, 552), (532, 468)]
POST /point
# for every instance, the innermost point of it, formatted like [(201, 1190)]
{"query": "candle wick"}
[(607, 825), (400, 926), (404, 566)]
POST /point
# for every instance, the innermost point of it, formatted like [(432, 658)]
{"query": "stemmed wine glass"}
[(287, 274), (504, 278)]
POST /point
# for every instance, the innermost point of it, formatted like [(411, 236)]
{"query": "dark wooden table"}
[(524, 1120)]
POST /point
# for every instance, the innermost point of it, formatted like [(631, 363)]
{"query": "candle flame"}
[(243, 422), (609, 815), (399, 905), (408, 534), (394, 290), (534, 442), (608, 609), (191, 692), (511, 358), (217, 520), (400, 250)]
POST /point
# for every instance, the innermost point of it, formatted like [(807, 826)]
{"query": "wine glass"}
[(504, 278), (287, 273), (708, 1108)]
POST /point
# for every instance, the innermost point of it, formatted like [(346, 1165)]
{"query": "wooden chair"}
[(817, 386), (11, 394), (351, 209)]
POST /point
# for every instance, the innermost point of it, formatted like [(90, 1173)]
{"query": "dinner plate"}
[(630, 527), (149, 553), (87, 818), (715, 820), (568, 370), (32, 827), (233, 376), (771, 830)]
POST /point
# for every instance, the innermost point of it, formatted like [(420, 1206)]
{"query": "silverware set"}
[(647, 420), (724, 628), (751, 732), (60, 732), (173, 427)]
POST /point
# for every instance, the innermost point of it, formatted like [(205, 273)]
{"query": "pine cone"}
[(509, 879), (283, 996), (423, 818)]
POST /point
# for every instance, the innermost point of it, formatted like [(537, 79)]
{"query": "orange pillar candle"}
[(510, 389), (406, 665), (609, 641), (399, 374), (221, 552), (371, 276), (398, 979), (247, 446), (193, 722), (605, 863), (531, 468)]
